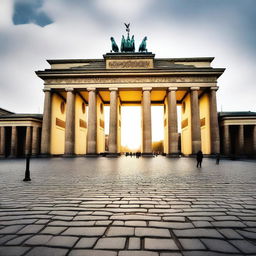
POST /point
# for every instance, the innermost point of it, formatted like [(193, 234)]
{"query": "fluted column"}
[(226, 140), (14, 142), (70, 123), (2, 141), (113, 124), (172, 121), (46, 127), (92, 123), (28, 141), (146, 123), (35, 140), (241, 139), (195, 121), (214, 127)]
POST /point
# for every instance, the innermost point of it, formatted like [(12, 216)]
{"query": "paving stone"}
[(246, 234), (172, 225), (85, 231), (62, 241), (134, 217), (160, 244), (245, 246), (174, 218), (170, 254), (31, 229), (152, 232), (13, 250), (38, 240), (11, 230), (202, 224), (18, 240), (134, 243), (228, 224), (110, 243), (192, 244), (136, 223), (137, 253), (120, 231), (53, 230), (92, 253), (230, 233), (200, 232), (6, 238), (219, 245), (87, 242), (43, 251)]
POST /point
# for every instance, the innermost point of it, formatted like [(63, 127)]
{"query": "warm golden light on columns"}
[(92, 123), (195, 121), (46, 126), (146, 121), (214, 127), (113, 124), (172, 121), (70, 123)]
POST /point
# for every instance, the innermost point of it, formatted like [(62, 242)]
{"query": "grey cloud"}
[(26, 12)]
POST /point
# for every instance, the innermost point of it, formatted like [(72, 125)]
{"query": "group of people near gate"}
[(200, 156)]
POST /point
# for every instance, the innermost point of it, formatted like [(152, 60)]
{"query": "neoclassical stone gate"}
[(76, 91)]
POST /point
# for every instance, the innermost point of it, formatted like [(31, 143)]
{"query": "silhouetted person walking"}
[(217, 158), (199, 158)]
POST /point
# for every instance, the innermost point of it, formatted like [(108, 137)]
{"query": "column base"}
[(113, 155), (91, 155), (69, 155), (44, 155), (173, 155), (147, 154)]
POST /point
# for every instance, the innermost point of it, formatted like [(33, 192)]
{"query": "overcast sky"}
[(32, 31)]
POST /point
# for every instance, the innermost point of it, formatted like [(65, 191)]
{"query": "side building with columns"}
[(20, 134), (238, 134), (76, 92)]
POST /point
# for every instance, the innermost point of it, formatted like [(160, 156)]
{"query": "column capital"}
[(172, 88), (194, 88), (146, 88), (214, 88), (113, 89), (91, 89), (47, 89), (69, 89)]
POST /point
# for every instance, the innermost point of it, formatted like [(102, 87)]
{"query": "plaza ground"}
[(128, 207)]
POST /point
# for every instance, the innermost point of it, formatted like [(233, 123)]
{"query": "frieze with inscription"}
[(129, 64)]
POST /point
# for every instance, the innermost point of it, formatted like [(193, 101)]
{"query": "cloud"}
[(26, 12), (81, 29)]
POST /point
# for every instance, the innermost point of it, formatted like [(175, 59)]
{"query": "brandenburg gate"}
[(76, 92)]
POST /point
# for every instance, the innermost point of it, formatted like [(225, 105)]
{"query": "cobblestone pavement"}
[(128, 207)]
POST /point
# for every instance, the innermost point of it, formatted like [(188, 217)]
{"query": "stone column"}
[(113, 122), (241, 139), (35, 141), (172, 121), (226, 140), (28, 141), (195, 121), (14, 142), (70, 123), (92, 123), (254, 140), (46, 127), (2, 141), (214, 127), (146, 123)]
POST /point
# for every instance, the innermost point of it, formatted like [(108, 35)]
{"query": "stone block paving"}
[(127, 207)]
